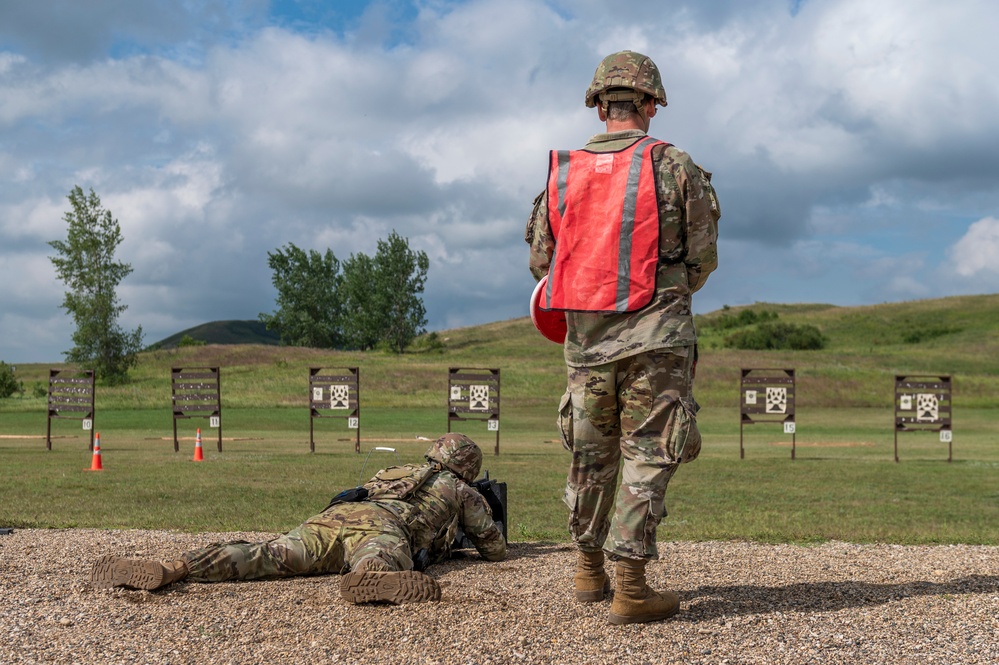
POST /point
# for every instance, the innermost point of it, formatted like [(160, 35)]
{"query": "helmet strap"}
[(641, 109), (635, 97)]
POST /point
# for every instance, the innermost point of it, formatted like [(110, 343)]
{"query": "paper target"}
[(478, 398), (339, 396), (776, 400), (927, 408)]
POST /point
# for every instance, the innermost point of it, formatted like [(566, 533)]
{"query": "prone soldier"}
[(371, 537)]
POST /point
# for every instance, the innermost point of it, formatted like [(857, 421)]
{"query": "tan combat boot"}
[(634, 601), (111, 571), (592, 582), (369, 582)]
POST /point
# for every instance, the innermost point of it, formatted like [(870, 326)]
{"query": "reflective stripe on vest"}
[(604, 215)]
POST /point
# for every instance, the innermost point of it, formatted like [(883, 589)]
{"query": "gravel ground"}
[(741, 603)]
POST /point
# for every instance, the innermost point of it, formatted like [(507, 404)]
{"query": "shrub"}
[(746, 317), (777, 336), (925, 334), (8, 382), (187, 340), (428, 343)]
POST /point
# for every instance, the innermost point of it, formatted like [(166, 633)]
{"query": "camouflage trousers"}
[(331, 542), (634, 416)]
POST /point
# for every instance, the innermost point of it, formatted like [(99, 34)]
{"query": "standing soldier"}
[(403, 512), (625, 233)]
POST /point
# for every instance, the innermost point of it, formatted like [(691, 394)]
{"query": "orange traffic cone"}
[(199, 455), (95, 463)]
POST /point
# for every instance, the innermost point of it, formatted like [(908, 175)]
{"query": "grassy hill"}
[(867, 347), (221, 332)]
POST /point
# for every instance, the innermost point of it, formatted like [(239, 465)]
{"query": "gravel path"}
[(741, 603)]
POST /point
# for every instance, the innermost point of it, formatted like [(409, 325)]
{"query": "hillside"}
[(867, 347), (222, 332)]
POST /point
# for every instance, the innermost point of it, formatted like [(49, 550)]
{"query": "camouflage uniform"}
[(405, 509), (385, 532), (630, 375)]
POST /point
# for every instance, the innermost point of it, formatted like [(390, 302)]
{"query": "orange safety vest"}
[(604, 215)]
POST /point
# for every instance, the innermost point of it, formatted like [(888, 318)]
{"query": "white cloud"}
[(905, 65), (844, 141), (37, 218), (977, 251)]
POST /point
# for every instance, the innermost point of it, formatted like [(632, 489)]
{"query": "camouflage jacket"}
[(433, 503), (688, 234)]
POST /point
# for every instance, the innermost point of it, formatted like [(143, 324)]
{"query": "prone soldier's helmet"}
[(634, 72), (458, 454)]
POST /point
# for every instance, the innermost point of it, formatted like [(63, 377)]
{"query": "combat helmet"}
[(457, 453), (626, 69)]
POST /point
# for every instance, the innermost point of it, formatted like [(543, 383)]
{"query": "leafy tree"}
[(359, 304), (309, 302), (85, 263), (8, 381), (363, 303), (400, 275)]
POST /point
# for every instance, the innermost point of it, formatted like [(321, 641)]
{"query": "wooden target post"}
[(474, 394), (71, 396), (923, 404), (335, 393), (767, 395), (196, 392)]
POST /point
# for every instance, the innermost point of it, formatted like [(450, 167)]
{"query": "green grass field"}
[(843, 484)]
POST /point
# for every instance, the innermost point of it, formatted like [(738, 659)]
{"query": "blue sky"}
[(852, 144)]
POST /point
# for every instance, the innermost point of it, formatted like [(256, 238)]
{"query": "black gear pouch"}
[(353, 495)]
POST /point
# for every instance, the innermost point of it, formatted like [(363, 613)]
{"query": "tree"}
[(85, 263), (400, 275), (362, 303), (309, 302), (358, 304)]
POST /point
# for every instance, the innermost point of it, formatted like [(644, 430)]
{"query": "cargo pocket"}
[(569, 498), (684, 441), (565, 420)]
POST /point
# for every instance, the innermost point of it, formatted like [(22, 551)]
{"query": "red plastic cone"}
[(199, 455), (95, 463)]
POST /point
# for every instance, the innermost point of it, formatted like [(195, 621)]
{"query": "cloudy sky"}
[(853, 143)]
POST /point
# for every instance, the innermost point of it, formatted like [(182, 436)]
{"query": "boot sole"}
[(111, 571), (621, 619), (594, 595), (396, 587)]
